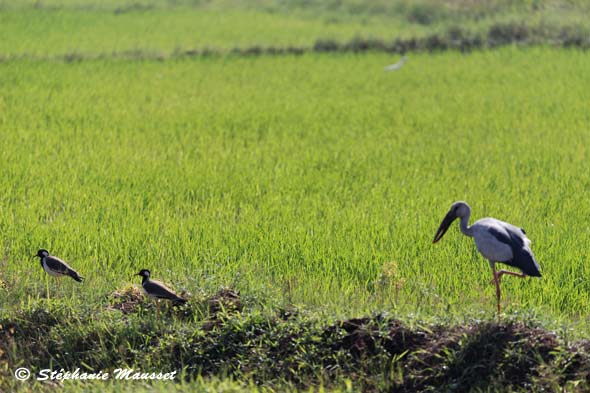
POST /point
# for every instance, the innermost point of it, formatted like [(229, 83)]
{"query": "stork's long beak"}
[(444, 226)]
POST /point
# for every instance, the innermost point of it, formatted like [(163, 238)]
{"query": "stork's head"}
[(458, 209)]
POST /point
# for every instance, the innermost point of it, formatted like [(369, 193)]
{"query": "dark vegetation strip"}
[(424, 12), (454, 39), (216, 337)]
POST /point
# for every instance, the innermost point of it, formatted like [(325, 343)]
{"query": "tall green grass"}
[(315, 180)]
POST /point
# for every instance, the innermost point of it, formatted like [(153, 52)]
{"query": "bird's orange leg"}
[(498, 278), (501, 272)]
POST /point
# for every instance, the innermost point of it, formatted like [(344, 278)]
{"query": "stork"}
[(497, 241)]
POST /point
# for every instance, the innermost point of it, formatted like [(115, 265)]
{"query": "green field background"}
[(316, 180), (148, 134)]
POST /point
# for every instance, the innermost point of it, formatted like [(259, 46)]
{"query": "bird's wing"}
[(525, 239), (491, 241), (158, 289), (57, 265), (514, 237), (517, 232), (504, 235)]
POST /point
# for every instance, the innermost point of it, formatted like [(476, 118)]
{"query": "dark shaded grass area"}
[(454, 38), (216, 337)]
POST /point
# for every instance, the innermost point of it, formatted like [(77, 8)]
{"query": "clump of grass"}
[(502, 34), (326, 45)]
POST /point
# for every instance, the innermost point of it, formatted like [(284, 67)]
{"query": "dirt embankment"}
[(217, 336)]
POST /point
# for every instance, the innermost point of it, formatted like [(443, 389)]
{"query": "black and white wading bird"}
[(497, 241), (157, 290), (56, 267)]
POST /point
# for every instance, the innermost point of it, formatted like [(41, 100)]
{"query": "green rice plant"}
[(299, 186)]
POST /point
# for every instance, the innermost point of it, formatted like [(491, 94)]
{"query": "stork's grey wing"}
[(505, 236)]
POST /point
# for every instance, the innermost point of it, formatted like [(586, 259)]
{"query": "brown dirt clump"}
[(225, 299), (127, 300)]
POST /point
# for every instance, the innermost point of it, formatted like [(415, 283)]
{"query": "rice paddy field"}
[(286, 196)]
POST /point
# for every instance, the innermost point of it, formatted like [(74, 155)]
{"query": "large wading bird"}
[(497, 241)]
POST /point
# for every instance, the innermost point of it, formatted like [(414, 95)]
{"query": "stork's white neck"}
[(464, 225)]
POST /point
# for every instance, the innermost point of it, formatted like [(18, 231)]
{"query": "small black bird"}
[(56, 267), (156, 289)]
